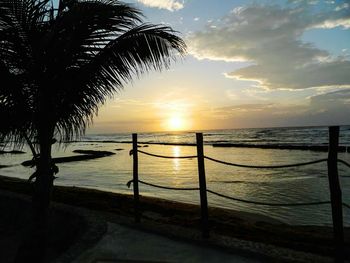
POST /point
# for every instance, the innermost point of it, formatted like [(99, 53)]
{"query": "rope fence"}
[(164, 187), (265, 166), (267, 204), (168, 157), (240, 165), (334, 185), (232, 198), (343, 162)]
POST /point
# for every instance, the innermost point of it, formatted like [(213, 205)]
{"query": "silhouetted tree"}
[(58, 64)]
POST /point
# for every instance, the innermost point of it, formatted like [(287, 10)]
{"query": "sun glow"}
[(176, 123)]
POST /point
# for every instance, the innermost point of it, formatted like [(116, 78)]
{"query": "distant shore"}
[(237, 224)]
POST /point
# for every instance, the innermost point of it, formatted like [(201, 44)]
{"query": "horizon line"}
[(222, 129)]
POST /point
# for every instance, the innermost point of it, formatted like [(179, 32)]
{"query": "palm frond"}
[(15, 112), (67, 61), (143, 48)]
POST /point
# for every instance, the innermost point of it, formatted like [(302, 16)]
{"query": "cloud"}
[(269, 37), (330, 108), (342, 6), (171, 5), (252, 110), (334, 23), (336, 99)]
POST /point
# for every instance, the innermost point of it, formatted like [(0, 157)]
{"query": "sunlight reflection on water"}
[(302, 184)]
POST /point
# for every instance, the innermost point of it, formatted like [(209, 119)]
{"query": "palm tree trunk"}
[(34, 247), (44, 182), (42, 193)]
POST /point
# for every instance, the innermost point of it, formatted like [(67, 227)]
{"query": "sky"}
[(249, 64)]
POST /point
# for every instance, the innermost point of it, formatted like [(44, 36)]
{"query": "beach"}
[(164, 217), (94, 172)]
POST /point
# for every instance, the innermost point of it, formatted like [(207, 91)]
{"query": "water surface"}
[(291, 185)]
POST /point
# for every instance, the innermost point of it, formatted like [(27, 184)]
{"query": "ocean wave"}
[(294, 138), (227, 143)]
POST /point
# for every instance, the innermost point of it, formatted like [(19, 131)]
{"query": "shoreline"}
[(21, 186), (223, 222)]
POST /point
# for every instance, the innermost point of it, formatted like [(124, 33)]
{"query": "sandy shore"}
[(163, 214)]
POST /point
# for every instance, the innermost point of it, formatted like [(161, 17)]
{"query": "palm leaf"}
[(69, 60)]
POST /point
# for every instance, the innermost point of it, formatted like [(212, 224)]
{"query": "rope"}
[(168, 157), (268, 204), (235, 199), (343, 162), (163, 187), (265, 166)]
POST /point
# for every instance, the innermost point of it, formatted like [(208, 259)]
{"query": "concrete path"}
[(124, 244)]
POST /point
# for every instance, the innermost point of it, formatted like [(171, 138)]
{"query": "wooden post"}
[(335, 193), (135, 177), (202, 185)]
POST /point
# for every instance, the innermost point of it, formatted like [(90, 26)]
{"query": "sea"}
[(283, 185)]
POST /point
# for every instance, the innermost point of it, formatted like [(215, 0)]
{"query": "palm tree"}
[(59, 64)]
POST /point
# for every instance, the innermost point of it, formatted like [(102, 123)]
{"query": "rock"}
[(85, 155), (12, 152), (93, 152)]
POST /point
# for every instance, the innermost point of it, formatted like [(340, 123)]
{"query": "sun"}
[(176, 123)]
